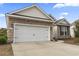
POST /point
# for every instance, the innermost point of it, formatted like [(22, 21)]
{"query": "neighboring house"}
[(61, 29), (73, 28), (29, 24)]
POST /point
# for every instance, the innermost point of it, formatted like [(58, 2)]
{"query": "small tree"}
[(77, 29), (3, 36)]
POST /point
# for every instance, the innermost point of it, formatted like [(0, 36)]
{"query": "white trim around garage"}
[(28, 25)]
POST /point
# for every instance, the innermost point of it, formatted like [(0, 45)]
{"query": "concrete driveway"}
[(45, 49)]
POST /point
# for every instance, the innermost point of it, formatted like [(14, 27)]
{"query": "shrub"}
[(3, 36), (3, 39), (77, 33), (76, 40)]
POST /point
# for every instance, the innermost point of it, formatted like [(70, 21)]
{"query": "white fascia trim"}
[(21, 9), (44, 13), (29, 18), (36, 7)]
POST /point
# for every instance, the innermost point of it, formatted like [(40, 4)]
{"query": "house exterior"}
[(34, 24), (29, 24), (61, 29)]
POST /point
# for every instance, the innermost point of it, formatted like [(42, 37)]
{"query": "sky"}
[(70, 11)]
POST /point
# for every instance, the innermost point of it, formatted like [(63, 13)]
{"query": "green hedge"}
[(3, 36), (76, 33), (77, 29), (3, 39)]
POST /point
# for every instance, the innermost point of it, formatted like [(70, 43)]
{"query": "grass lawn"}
[(6, 50)]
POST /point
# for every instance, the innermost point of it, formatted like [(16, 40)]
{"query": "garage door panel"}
[(42, 34), (31, 33)]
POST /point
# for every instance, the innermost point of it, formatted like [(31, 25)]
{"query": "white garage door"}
[(25, 33)]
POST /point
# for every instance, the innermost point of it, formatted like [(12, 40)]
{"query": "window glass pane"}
[(62, 30)]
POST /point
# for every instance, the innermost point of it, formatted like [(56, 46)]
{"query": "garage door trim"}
[(30, 25)]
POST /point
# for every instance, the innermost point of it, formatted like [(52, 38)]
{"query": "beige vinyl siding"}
[(32, 12)]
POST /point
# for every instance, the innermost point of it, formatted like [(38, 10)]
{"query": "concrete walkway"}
[(45, 49)]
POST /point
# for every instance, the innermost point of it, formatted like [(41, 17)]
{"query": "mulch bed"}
[(74, 41), (6, 50)]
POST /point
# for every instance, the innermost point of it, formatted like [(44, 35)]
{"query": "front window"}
[(64, 30)]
